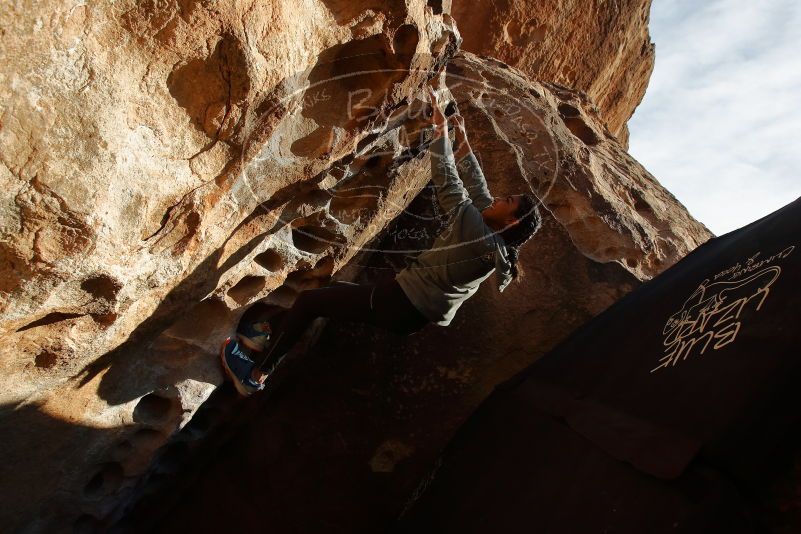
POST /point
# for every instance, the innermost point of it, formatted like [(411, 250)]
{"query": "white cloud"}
[(720, 123)]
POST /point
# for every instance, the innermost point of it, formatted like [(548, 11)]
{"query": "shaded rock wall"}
[(164, 165), (600, 47)]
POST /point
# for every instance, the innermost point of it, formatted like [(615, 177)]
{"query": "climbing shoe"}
[(238, 366)]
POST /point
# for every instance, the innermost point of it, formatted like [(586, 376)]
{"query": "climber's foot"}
[(238, 366)]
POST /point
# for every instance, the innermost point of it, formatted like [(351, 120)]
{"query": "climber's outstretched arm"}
[(469, 169), (450, 191), (449, 188)]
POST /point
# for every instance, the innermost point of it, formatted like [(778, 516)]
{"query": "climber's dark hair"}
[(529, 221)]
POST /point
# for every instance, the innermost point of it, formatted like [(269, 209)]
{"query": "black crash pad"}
[(662, 414)]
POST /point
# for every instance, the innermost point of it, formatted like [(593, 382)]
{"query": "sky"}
[(720, 123)]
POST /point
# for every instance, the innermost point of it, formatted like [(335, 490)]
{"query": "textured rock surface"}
[(345, 438), (601, 47), (158, 153), (166, 164)]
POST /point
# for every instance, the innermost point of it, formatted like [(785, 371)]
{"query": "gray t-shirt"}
[(440, 279)]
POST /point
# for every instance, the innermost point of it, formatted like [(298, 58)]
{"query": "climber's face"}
[(502, 211)]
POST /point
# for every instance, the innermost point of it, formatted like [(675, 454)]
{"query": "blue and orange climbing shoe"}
[(238, 366)]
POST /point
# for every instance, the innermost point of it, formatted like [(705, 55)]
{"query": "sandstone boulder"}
[(352, 426), (600, 47), (165, 165)]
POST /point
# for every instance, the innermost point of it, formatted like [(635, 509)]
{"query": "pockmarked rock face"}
[(544, 139), (599, 47), (347, 435), (162, 165), (165, 165)]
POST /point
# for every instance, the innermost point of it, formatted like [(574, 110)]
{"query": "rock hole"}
[(571, 116), (567, 111), (152, 409), (105, 481), (311, 278), (270, 260), (436, 6), (246, 288), (102, 287), (639, 201), (405, 44), (582, 131), (295, 280), (282, 296), (225, 80), (104, 319), (350, 82), (314, 239), (357, 197), (49, 319), (46, 359), (188, 228)]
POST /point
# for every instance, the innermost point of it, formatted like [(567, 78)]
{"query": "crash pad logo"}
[(712, 316)]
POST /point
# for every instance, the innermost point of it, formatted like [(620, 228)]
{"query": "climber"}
[(485, 235)]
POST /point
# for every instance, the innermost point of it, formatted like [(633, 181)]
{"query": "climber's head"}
[(504, 212), (527, 220), (516, 218)]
